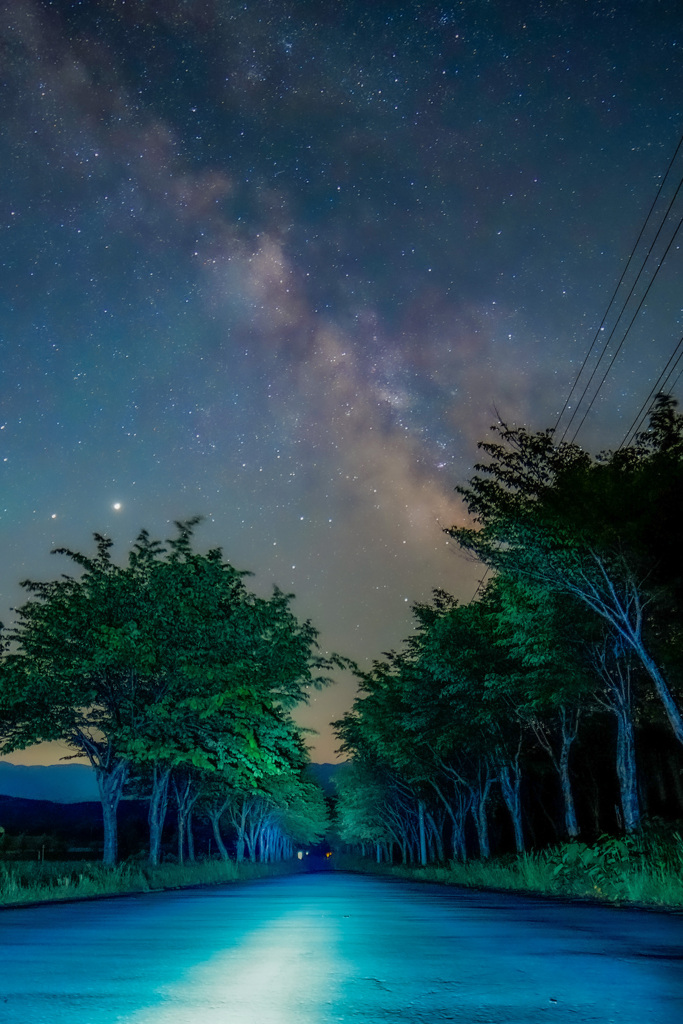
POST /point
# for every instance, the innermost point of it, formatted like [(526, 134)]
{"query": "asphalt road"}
[(322, 948)]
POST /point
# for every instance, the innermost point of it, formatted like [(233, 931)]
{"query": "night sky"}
[(281, 264)]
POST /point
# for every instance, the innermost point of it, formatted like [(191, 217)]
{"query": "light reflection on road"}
[(283, 973)]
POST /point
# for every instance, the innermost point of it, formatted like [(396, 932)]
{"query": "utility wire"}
[(619, 347), (480, 584), (659, 386), (603, 354), (623, 275)]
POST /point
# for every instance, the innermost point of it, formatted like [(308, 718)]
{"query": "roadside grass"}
[(39, 881), (645, 869)]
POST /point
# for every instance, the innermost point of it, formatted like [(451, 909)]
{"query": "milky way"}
[(283, 264)]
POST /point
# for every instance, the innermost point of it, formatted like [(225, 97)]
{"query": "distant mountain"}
[(75, 783), (58, 783)]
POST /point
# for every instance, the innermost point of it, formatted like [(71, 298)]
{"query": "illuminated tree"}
[(167, 662), (604, 531)]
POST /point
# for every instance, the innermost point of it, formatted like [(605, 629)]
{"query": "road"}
[(323, 948)]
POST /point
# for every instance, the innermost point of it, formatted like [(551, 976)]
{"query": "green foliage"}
[(301, 810), (602, 531), (362, 806), (646, 868), (166, 660), (580, 620)]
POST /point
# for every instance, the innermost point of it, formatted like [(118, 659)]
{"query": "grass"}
[(36, 881), (645, 869)]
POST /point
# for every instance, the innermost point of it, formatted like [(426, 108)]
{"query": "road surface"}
[(323, 948)]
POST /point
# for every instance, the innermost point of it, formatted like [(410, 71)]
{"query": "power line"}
[(622, 311), (480, 584), (619, 346), (603, 354), (623, 275), (659, 386)]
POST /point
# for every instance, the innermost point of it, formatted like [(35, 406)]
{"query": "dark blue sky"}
[(279, 263)]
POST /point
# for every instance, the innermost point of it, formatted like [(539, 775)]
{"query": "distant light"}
[(53, 516), (117, 506)]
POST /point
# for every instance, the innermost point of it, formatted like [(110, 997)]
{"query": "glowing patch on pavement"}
[(277, 976)]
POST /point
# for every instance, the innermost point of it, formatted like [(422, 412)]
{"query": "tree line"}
[(551, 705), (174, 681)]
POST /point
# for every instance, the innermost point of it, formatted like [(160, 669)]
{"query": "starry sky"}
[(281, 264)]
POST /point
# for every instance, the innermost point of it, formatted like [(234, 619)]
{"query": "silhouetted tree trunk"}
[(613, 664), (190, 838), (510, 783), (480, 791), (156, 815), (214, 814), (626, 772), (110, 785), (436, 834), (457, 809), (423, 838), (568, 730), (186, 796)]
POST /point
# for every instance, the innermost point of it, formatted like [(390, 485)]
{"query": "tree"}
[(548, 636), (80, 671), (369, 809), (167, 662), (583, 527), (435, 716), (614, 666), (479, 743)]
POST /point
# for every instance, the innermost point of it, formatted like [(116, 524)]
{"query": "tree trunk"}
[(626, 771), (624, 610), (569, 727), (569, 730), (458, 841), (457, 815), (423, 839), (437, 836), (570, 823), (185, 800), (671, 708), (110, 784), (156, 815), (614, 664), (182, 825), (251, 847), (480, 793), (214, 816), (481, 823), (510, 782), (190, 838)]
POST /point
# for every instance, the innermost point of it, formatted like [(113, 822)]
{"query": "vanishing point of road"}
[(327, 947)]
